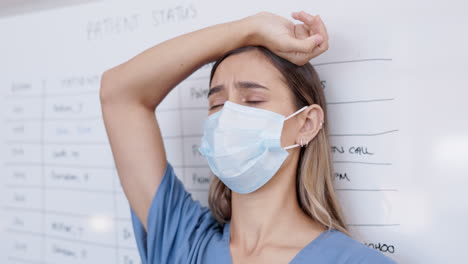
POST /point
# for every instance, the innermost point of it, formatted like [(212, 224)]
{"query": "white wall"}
[(394, 78)]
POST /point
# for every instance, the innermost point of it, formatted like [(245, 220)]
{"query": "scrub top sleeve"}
[(173, 220)]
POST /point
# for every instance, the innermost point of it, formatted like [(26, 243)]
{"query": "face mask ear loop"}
[(292, 146), (295, 113)]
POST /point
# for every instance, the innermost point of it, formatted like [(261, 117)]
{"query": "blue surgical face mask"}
[(242, 145)]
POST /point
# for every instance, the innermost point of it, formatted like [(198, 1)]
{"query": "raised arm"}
[(131, 91)]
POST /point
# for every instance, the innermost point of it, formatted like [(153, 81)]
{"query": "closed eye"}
[(214, 106), (254, 102), (248, 102)]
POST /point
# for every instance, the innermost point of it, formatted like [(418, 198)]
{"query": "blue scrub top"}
[(181, 230)]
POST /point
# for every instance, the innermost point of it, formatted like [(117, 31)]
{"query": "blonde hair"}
[(316, 194)]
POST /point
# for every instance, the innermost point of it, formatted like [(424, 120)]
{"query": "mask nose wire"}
[(292, 115)]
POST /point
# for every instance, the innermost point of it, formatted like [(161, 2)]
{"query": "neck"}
[(269, 213)]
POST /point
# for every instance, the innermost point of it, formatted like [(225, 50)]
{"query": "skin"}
[(263, 222)]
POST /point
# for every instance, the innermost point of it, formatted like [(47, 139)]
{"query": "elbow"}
[(108, 88), (115, 89), (112, 89)]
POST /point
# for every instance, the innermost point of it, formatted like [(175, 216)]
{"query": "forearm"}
[(148, 77)]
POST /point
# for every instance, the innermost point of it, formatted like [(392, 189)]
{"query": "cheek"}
[(288, 135)]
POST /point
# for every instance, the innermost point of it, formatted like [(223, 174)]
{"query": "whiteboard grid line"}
[(119, 192), (22, 260), (182, 143), (43, 179), (11, 142), (174, 165), (374, 225), (61, 213), (116, 224), (350, 61), (56, 188), (80, 241)]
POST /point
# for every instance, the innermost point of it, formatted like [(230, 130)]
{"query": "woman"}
[(265, 139)]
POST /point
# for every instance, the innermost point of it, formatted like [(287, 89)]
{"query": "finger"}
[(298, 15), (315, 25), (308, 17), (301, 32), (323, 29), (295, 15), (320, 28), (318, 50), (304, 17), (311, 23)]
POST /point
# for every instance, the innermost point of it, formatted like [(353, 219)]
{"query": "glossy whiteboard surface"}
[(395, 77)]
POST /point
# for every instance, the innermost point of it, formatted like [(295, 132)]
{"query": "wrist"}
[(247, 32)]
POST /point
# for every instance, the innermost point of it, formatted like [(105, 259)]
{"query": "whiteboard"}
[(395, 80)]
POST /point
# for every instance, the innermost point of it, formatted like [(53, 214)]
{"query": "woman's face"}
[(248, 78)]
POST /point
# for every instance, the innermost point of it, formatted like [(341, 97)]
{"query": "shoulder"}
[(179, 227), (340, 248)]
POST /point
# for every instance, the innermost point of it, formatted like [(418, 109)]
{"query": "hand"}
[(298, 43)]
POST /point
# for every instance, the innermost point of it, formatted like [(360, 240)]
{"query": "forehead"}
[(249, 65)]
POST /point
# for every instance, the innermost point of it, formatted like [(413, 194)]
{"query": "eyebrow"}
[(244, 84)]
